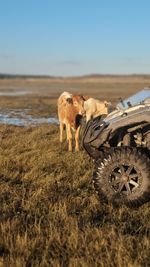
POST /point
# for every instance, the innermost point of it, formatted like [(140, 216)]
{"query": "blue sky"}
[(66, 38)]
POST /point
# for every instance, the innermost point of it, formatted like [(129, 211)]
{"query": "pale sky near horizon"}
[(65, 38)]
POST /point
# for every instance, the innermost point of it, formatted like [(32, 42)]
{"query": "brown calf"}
[(70, 109)]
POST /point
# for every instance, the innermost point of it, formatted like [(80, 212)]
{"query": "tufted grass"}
[(49, 213)]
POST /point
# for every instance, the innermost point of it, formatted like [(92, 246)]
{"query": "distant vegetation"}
[(15, 76), (92, 75)]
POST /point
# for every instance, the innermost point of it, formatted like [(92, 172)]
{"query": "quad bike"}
[(120, 147)]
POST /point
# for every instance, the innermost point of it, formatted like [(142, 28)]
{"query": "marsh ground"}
[(49, 213)]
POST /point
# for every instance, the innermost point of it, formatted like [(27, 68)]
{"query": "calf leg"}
[(77, 132), (69, 137), (88, 117), (61, 131)]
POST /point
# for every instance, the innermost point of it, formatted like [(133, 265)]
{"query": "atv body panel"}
[(123, 120)]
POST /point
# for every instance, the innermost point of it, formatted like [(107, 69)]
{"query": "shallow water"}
[(13, 93), (20, 118)]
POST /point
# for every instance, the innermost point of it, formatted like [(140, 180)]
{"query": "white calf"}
[(94, 107)]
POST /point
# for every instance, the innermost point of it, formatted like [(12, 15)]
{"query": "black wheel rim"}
[(125, 179)]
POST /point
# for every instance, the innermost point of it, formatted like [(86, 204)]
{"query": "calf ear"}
[(106, 103), (69, 100), (85, 97)]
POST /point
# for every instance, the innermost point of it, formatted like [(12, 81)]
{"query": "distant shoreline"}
[(24, 76)]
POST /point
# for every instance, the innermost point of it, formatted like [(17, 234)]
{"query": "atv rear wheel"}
[(123, 177)]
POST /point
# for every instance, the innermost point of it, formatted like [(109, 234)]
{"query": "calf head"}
[(78, 103), (108, 105)]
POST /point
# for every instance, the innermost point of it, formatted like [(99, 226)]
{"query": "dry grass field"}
[(49, 212)]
